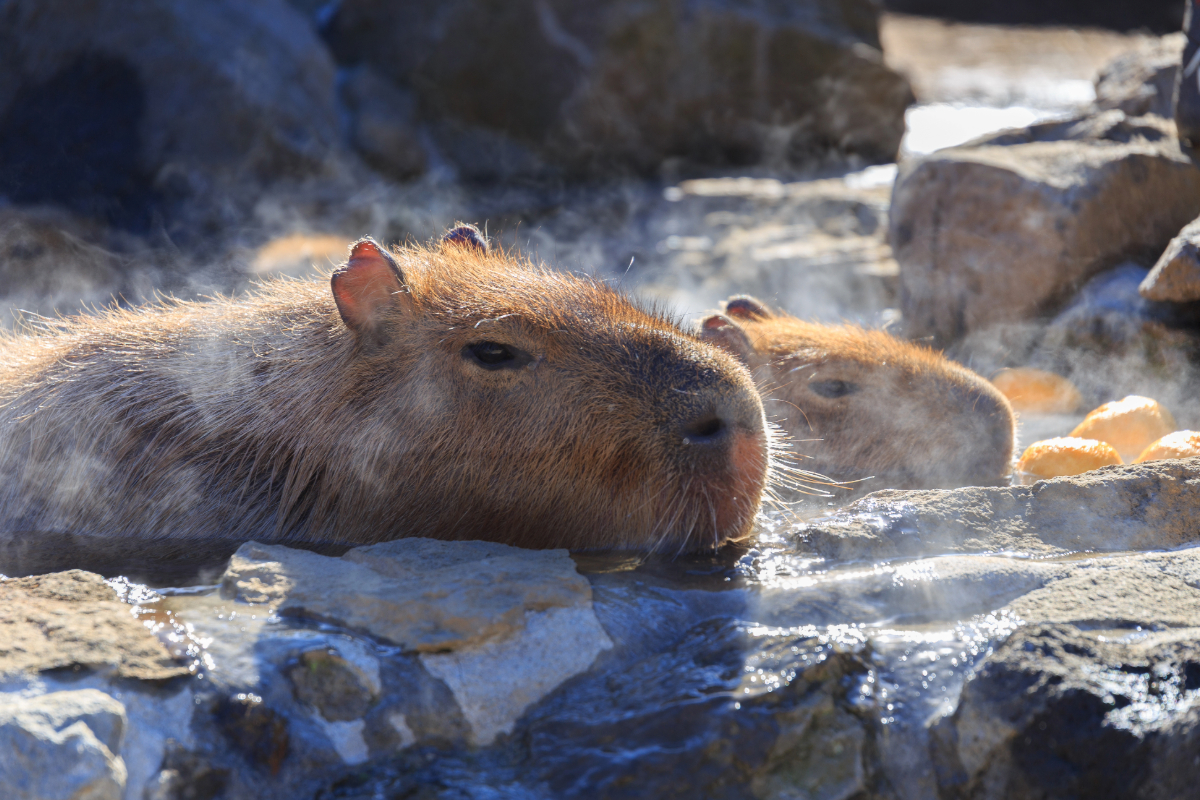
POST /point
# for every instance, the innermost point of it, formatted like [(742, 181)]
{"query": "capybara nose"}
[(714, 418), (987, 455)]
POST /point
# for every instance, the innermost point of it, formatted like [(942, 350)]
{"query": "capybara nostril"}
[(707, 430)]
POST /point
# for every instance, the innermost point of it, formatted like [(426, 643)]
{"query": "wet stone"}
[(74, 619), (332, 685)]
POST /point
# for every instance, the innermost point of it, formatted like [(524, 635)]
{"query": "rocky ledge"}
[(997, 642)]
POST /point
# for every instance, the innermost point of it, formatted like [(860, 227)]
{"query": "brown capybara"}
[(864, 404), (446, 391)]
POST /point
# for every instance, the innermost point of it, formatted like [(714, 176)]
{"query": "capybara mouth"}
[(719, 501)]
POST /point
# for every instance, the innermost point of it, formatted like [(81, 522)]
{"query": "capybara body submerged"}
[(444, 391), (863, 404)]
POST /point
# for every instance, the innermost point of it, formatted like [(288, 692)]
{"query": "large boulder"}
[(1005, 229), (109, 109), (1059, 711), (517, 86)]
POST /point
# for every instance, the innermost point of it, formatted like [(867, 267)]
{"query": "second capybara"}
[(448, 391), (864, 404)]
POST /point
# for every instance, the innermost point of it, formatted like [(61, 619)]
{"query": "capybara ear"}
[(743, 306), (366, 288), (726, 334), (464, 235)]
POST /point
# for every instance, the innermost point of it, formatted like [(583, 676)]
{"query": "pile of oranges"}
[(1131, 430)]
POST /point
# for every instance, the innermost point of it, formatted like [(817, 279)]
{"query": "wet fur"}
[(264, 417)]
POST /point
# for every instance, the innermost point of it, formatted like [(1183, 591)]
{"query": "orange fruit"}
[(1129, 425), (1067, 455), (1037, 391), (1180, 444)]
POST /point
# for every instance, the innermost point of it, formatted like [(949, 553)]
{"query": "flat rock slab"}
[(1132, 507), (500, 626), (74, 619), (422, 594)]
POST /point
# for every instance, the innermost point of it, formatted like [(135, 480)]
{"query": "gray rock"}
[(422, 594), (1143, 80), (500, 626), (1133, 507), (339, 689), (72, 620), (1176, 274), (629, 84), (62, 746), (1004, 229), (1058, 711), (176, 96)]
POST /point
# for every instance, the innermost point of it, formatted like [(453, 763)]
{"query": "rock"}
[(113, 111), (496, 681), (382, 123), (72, 620), (500, 626), (1003, 230), (339, 689), (628, 84), (422, 594), (257, 731), (1134, 507), (1176, 275), (1143, 80), (62, 746), (1058, 711), (1110, 342)]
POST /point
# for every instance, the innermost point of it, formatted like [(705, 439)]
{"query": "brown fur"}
[(267, 417), (899, 412)]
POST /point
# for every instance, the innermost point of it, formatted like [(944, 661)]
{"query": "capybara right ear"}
[(726, 334), (466, 236), (743, 306), (367, 289)]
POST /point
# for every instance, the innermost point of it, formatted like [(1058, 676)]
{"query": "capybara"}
[(864, 404), (449, 391)]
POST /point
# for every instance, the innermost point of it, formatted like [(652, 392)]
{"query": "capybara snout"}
[(449, 391)]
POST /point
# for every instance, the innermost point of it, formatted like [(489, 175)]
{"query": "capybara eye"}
[(493, 355), (832, 389)]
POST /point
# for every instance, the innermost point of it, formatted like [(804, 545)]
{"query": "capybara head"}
[(862, 403), (547, 406), (450, 391)]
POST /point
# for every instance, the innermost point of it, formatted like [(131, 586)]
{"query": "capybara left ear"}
[(466, 236), (367, 288), (726, 334)]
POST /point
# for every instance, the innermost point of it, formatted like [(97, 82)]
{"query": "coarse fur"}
[(295, 414), (862, 404)]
